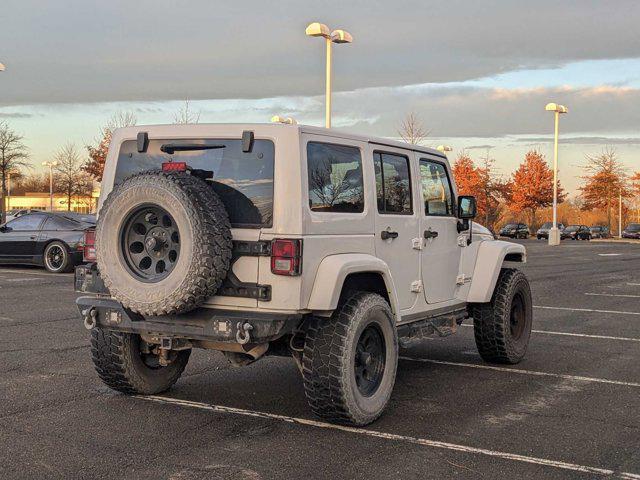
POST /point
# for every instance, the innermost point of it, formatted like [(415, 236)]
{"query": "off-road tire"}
[(205, 242), (494, 336), (328, 361), (117, 360)]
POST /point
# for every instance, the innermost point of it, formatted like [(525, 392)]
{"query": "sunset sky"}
[(477, 73)]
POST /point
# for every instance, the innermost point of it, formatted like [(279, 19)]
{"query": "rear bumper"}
[(205, 324)]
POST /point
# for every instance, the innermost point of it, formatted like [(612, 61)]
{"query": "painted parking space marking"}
[(393, 437), (586, 310), (609, 254), (580, 335), (612, 295), (525, 372)]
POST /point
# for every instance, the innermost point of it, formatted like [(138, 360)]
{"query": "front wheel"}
[(125, 363), (502, 327), (57, 258), (350, 360)]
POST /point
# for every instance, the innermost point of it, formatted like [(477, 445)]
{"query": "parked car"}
[(543, 231), (600, 231), (631, 231), (334, 281), (514, 230), (576, 232), (53, 240)]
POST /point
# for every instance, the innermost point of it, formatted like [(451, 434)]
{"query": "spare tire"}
[(163, 242)]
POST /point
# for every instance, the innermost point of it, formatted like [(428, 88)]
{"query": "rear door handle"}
[(430, 234), (386, 234), (33, 237)]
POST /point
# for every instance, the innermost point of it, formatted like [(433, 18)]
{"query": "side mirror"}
[(467, 208)]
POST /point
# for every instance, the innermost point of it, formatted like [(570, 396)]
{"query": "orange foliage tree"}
[(604, 181), (482, 184), (531, 187)]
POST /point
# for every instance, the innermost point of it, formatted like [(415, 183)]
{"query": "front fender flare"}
[(491, 255), (332, 272)]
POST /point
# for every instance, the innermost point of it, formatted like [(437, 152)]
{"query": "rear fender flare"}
[(334, 269)]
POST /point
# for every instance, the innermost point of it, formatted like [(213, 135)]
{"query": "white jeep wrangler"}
[(290, 240)]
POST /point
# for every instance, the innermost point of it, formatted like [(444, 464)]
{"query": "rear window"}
[(243, 181), (633, 227)]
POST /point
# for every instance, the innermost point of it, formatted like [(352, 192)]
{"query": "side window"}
[(393, 183), (335, 178), (25, 222), (436, 189)]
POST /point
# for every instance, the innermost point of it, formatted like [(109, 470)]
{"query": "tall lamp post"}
[(50, 165), (554, 234), (336, 36)]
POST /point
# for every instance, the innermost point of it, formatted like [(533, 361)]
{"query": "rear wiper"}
[(171, 148)]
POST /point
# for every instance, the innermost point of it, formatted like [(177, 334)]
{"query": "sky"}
[(478, 74)]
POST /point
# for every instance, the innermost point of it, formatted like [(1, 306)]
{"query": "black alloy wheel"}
[(369, 360), (150, 243), (517, 317)]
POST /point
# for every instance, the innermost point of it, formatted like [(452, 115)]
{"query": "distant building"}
[(40, 201)]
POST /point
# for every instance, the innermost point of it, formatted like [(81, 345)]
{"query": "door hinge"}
[(462, 240), (462, 279), (416, 286), (417, 243)]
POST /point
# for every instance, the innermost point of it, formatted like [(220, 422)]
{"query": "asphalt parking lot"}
[(570, 410)]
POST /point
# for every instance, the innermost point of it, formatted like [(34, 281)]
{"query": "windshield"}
[(511, 225), (547, 225), (572, 228), (633, 227), (242, 180)]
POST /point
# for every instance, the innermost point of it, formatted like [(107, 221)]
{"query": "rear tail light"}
[(174, 167), (286, 257), (89, 251)]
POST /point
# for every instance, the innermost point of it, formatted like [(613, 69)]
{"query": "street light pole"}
[(317, 29), (554, 234), (50, 165), (620, 215)]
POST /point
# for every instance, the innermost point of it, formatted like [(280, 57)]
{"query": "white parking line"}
[(525, 372), (582, 335), (612, 295), (609, 254), (391, 436), (586, 310)]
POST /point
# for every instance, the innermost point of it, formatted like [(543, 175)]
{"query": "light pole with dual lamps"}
[(554, 234), (50, 165), (317, 29)]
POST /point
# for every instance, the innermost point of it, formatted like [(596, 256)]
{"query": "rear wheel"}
[(502, 327), (349, 361), (127, 364), (57, 258)]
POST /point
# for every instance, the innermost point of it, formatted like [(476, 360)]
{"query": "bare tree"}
[(69, 178), (13, 157), (412, 130), (184, 115), (329, 188)]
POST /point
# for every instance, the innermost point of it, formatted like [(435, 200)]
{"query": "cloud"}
[(15, 115), (159, 49), (583, 140)]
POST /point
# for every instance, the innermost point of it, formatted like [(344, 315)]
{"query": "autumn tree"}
[(531, 187), (482, 183), (604, 180), (70, 179), (94, 166), (412, 130), (13, 157), (185, 115)]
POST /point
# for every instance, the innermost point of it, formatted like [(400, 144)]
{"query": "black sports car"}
[(53, 240)]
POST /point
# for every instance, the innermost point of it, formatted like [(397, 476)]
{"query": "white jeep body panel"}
[(336, 245)]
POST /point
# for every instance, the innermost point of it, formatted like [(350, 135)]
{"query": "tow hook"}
[(90, 318), (243, 335)]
